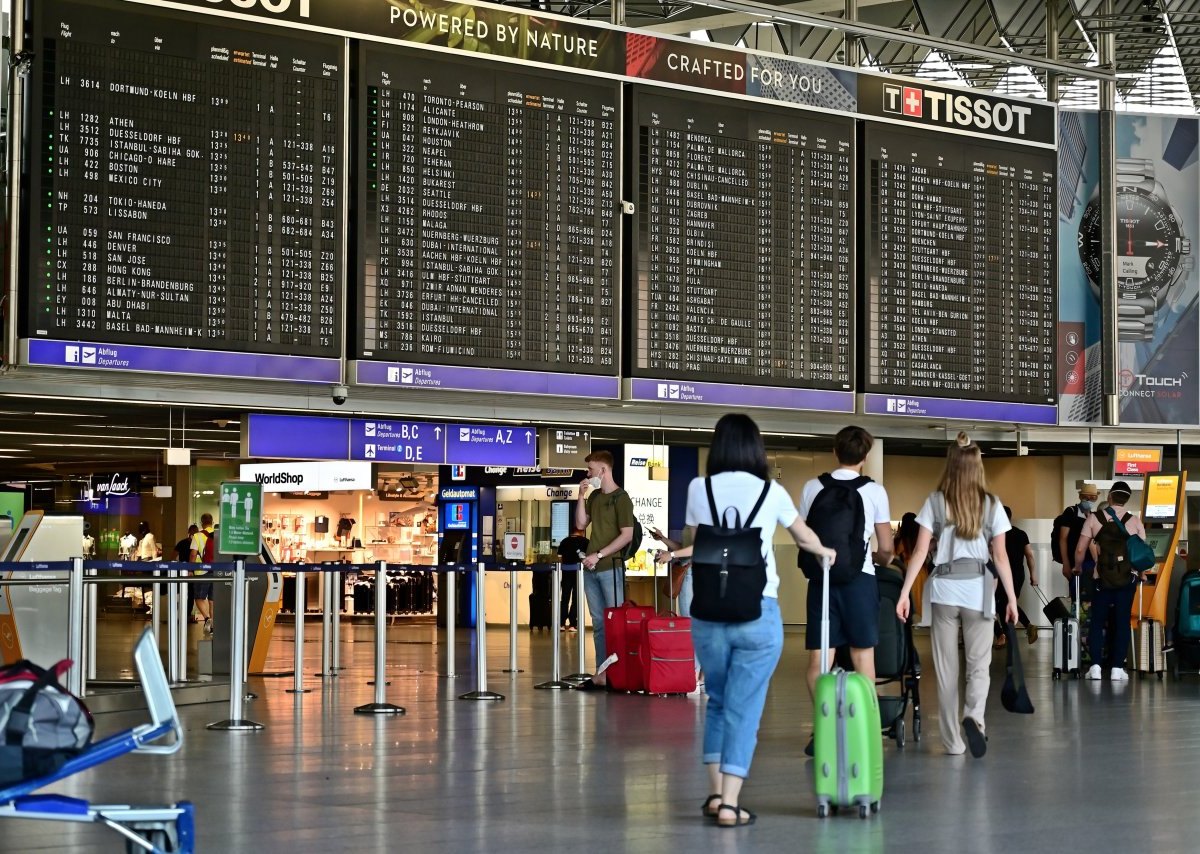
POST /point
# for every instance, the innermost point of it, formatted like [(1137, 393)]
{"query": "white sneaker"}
[(1118, 674), (1093, 672)]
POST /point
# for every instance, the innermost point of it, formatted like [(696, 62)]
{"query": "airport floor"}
[(1100, 767)]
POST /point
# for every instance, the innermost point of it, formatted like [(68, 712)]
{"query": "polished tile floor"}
[(1100, 767)]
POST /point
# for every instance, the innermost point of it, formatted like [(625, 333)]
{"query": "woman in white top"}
[(739, 658), (963, 516)]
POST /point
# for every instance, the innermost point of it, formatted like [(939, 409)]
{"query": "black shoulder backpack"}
[(838, 518), (729, 572)]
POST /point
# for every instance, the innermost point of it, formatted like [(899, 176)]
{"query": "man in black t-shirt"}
[(1020, 553), (570, 551)]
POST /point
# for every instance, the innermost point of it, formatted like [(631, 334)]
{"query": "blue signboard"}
[(296, 437), (490, 445), (397, 441)]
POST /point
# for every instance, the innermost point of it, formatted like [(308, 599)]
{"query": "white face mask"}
[(595, 482)]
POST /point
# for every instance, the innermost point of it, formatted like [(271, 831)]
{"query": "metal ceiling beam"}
[(774, 13)]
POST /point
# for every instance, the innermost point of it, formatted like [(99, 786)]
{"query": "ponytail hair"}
[(964, 487)]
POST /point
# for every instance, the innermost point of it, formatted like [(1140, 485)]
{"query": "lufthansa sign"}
[(913, 102)]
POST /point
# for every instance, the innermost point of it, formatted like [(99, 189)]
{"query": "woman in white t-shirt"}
[(739, 658), (964, 517)]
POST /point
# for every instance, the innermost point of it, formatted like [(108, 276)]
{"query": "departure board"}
[(490, 215), (745, 256), (961, 267), (187, 183)]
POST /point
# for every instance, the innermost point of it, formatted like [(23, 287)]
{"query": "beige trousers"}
[(977, 644)]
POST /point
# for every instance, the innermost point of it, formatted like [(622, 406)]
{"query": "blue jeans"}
[(1110, 622), (602, 592), (738, 660), (685, 594)]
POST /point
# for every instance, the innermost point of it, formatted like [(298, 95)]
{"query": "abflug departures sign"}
[(185, 193), (961, 254)]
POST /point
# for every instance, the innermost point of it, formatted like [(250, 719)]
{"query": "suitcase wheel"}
[(863, 810), (822, 810), (899, 734), (1056, 674)]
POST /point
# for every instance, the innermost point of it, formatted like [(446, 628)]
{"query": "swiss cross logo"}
[(914, 100)]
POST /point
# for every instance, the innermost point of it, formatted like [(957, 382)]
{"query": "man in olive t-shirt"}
[(609, 510)]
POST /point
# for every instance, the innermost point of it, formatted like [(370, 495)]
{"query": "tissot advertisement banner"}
[(1158, 219)]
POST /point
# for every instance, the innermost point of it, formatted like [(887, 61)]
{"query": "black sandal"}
[(740, 820), (708, 802)]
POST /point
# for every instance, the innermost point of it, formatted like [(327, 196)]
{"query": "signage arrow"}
[(437, 432), (528, 436)]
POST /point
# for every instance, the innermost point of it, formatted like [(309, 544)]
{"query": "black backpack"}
[(1070, 520), (1113, 567), (631, 548), (838, 518), (729, 572)]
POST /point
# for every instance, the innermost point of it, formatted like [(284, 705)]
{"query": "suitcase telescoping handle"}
[(825, 566)]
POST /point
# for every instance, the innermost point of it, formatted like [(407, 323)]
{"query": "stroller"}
[(895, 660)]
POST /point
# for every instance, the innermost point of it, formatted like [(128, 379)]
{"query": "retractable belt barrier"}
[(81, 643)]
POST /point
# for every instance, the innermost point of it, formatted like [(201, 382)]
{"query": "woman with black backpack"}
[(736, 626), (966, 519)]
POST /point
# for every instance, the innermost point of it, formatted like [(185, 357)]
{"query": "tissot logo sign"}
[(957, 110)]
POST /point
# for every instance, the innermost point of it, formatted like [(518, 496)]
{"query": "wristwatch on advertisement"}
[(1153, 256)]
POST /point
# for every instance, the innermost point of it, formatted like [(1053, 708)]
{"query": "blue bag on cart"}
[(43, 724)]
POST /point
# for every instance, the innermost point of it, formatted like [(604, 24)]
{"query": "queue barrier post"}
[(451, 608), (75, 620), (298, 637), (173, 592), (513, 617), (582, 675), (327, 671), (381, 706), (237, 626), (93, 605), (336, 596), (555, 681), (481, 691)]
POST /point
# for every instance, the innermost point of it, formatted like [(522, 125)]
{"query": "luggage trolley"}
[(154, 829)]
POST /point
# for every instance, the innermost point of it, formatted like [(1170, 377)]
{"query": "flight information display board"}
[(490, 217), (187, 193), (961, 269), (744, 252)]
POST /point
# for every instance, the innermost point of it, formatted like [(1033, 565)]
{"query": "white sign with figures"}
[(649, 500)]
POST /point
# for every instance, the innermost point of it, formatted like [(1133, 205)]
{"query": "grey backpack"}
[(44, 724)]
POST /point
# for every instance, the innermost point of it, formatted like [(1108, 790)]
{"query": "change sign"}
[(241, 518)]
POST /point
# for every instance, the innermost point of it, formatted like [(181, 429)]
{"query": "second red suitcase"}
[(623, 636), (667, 655)]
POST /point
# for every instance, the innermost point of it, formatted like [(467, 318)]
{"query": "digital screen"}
[(961, 266), (185, 183), (490, 212), (1160, 497), (560, 521), (1159, 539), (744, 243)]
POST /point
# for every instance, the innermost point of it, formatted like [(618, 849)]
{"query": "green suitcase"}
[(847, 737)]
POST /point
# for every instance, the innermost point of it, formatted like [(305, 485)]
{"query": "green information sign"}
[(241, 519)]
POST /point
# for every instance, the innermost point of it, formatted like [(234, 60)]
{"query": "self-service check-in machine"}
[(264, 598), (33, 618)]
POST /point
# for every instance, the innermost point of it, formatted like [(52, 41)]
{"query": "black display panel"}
[(744, 243), (185, 182), (489, 208), (961, 267)]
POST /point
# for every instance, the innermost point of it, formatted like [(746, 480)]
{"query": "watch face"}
[(1150, 246)]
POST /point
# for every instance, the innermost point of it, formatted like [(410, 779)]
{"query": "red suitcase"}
[(623, 635), (667, 656)]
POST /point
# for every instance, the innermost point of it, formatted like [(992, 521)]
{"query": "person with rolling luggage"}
[(1020, 553), (736, 625), (1115, 582), (845, 509), (609, 510), (965, 518)]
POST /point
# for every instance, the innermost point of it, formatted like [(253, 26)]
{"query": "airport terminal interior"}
[(362, 284)]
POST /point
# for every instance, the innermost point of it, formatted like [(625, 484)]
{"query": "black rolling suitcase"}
[(539, 602)]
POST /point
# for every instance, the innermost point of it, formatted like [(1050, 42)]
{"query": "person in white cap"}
[(1115, 580)]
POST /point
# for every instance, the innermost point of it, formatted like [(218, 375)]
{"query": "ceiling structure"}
[(1157, 41)]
